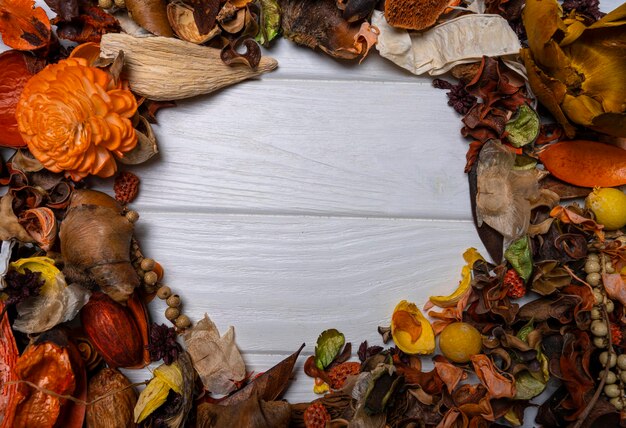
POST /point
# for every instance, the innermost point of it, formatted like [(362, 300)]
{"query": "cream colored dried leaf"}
[(459, 41), (40, 313), (216, 359), (503, 196), (164, 68)]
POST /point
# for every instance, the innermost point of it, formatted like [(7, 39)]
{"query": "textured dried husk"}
[(113, 331), (164, 69), (116, 410)]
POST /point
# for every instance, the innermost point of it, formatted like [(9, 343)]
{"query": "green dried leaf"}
[(329, 343), (523, 332), (518, 254), (523, 128), (526, 386), (270, 22)]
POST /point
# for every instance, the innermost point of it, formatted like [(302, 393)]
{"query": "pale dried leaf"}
[(146, 145), (216, 359), (40, 313), (22, 161), (439, 49), (10, 228)]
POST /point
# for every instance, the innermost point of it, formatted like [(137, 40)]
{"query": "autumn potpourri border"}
[(572, 332)]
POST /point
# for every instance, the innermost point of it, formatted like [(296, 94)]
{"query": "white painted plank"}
[(281, 280), (311, 147)]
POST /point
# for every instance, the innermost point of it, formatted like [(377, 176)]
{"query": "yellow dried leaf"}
[(471, 256), (151, 398), (411, 331)]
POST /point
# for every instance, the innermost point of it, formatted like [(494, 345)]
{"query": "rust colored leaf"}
[(41, 224), (23, 26), (497, 384), (8, 359), (269, 385), (574, 365), (88, 27), (15, 70), (66, 10), (569, 216), (564, 190), (586, 163), (450, 374), (251, 57), (151, 15)]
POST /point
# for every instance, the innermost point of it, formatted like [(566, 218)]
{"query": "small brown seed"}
[(147, 264), (173, 301), (131, 215), (182, 321), (172, 313), (164, 292), (150, 278), (105, 4), (120, 3)]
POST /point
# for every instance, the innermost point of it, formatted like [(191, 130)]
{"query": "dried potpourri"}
[(568, 262)]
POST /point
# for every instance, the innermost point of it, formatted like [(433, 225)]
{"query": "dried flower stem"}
[(69, 397)]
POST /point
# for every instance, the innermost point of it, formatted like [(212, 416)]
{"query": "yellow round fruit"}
[(609, 207), (459, 341)]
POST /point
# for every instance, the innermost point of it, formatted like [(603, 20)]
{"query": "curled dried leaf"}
[(251, 57), (24, 26), (549, 277), (41, 224), (184, 21)]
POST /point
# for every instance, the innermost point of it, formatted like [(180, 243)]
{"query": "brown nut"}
[(147, 264), (173, 301), (182, 322), (164, 292), (115, 410), (172, 313), (150, 277)]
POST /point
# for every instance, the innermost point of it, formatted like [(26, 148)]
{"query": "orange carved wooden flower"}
[(76, 118)]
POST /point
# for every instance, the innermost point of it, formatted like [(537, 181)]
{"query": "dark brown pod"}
[(95, 244), (112, 330)]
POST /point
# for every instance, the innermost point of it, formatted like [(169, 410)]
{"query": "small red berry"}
[(339, 373), (126, 187), (514, 284), (316, 416), (616, 334)]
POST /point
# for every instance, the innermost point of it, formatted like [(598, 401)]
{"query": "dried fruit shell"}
[(411, 331), (115, 410), (184, 24)]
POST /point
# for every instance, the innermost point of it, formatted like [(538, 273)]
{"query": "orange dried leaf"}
[(566, 215), (89, 51), (411, 331), (586, 163), (23, 26), (497, 385)]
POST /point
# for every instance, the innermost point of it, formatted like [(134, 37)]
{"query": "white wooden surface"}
[(317, 196)]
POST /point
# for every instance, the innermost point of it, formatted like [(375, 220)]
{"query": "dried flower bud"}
[(126, 187), (116, 410)]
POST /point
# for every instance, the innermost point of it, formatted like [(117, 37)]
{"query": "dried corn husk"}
[(458, 41), (163, 69)]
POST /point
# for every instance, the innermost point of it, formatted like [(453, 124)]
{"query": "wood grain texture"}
[(284, 279), (311, 147)]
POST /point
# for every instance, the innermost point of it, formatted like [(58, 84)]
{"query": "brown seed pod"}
[(116, 410), (113, 331), (95, 244)]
